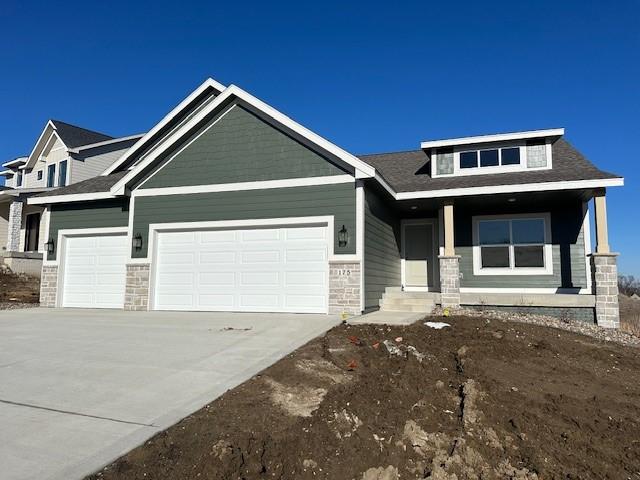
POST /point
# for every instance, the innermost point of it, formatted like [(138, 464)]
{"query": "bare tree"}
[(628, 285)]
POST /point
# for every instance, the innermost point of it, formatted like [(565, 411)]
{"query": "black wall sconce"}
[(137, 241), (343, 237), (50, 246)]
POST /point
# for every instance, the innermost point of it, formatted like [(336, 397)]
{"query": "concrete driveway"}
[(79, 388)]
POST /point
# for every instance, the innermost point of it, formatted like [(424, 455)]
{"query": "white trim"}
[(478, 270), (105, 142), (208, 83), (500, 137), (435, 269), (77, 232), (29, 163), (564, 291), (15, 161), (75, 197), (521, 187), (365, 169), (360, 227), (586, 229), (244, 186)]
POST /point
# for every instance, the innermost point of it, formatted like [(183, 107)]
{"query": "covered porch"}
[(528, 251)]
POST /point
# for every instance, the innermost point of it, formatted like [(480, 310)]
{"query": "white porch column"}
[(605, 269), (449, 262), (13, 228)]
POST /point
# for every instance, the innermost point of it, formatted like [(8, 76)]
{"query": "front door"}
[(418, 241), (32, 232)]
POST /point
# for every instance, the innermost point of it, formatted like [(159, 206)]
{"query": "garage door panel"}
[(260, 269), (94, 271)]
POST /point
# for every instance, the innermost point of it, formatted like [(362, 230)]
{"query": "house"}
[(63, 155), (228, 204)]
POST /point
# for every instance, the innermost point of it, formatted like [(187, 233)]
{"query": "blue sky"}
[(369, 76)]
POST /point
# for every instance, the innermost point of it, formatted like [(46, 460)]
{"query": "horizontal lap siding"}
[(240, 147), (98, 214), (381, 248), (567, 237), (338, 200)]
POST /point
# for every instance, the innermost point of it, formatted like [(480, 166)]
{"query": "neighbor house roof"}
[(409, 171), (92, 189), (73, 136)]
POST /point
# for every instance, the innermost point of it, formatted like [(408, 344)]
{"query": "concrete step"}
[(408, 308), (407, 301), (428, 295)]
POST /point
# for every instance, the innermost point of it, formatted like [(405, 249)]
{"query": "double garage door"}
[(247, 270)]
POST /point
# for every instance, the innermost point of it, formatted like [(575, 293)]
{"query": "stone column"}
[(605, 271), (49, 286), (449, 281), (344, 288), (13, 228), (136, 295)]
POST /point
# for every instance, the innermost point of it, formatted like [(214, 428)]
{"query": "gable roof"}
[(73, 136), (362, 169), (94, 188), (409, 172)]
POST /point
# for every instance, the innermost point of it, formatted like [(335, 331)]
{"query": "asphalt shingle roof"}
[(73, 136), (102, 183), (410, 172)]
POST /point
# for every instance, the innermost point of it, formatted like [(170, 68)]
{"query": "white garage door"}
[(249, 270), (94, 271)]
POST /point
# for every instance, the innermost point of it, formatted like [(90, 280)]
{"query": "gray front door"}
[(418, 255)]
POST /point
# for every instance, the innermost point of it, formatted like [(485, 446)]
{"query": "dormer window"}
[(490, 158)]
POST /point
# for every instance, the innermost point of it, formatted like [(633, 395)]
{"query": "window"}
[(51, 176), (62, 174), (490, 158), (19, 180), (513, 245), (39, 174)]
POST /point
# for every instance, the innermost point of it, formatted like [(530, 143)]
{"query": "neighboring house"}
[(63, 155), (227, 204)]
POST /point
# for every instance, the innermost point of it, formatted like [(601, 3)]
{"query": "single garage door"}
[(94, 271), (248, 270)]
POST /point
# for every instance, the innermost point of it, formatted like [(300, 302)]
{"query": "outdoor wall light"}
[(137, 241), (50, 246), (343, 237)]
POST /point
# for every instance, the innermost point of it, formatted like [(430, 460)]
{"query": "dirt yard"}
[(17, 290), (482, 399)]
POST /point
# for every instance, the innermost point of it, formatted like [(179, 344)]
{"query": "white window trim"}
[(463, 172), (507, 271)]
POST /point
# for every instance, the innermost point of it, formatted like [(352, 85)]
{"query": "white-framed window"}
[(515, 244), (39, 175), (477, 159)]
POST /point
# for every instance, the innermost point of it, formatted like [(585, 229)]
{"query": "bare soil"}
[(482, 399), (18, 289)]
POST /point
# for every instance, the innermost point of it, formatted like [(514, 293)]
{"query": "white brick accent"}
[(13, 228), (136, 295), (450, 281), (49, 286), (344, 287), (605, 272)]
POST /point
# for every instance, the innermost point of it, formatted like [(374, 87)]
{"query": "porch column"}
[(449, 262), (14, 225), (605, 269)]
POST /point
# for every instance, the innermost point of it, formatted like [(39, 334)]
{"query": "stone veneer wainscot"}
[(136, 295), (344, 287), (49, 286)]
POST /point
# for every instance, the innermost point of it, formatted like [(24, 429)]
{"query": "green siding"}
[(381, 248), (338, 200), (241, 147), (567, 238), (98, 214)]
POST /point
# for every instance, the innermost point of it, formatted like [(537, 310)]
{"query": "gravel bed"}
[(17, 305), (604, 334)]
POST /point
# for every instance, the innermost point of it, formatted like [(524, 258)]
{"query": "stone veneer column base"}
[(136, 295), (450, 280), (14, 225), (49, 286), (344, 288), (605, 275)]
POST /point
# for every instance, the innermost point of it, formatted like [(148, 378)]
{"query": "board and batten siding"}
[(567, 238), (95, 214), (336, 199), (240, 147), (381, 248)]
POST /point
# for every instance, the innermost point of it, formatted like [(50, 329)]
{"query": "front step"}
[(396, 300)]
